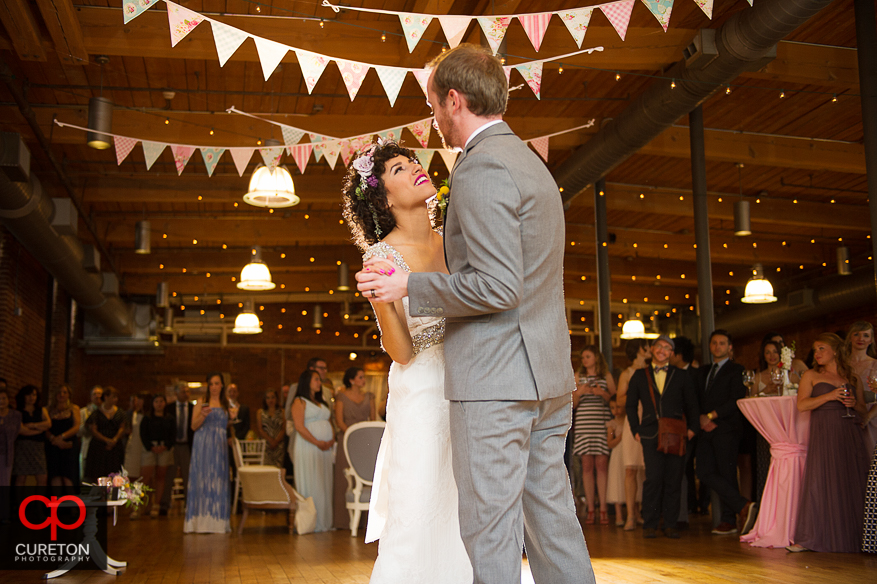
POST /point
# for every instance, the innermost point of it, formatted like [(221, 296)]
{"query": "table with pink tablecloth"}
[(788, 432)]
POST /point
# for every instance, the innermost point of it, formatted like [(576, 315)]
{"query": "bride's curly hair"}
[(366, 212)]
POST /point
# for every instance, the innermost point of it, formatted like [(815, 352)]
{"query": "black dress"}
[(100, 461), (63, 462)]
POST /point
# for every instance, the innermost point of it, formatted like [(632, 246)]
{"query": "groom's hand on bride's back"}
[(380, 281)]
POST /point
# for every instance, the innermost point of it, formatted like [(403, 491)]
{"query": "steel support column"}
[(701, 230), (866, 45), (601, 229)]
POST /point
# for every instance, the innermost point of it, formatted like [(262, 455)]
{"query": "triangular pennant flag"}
[(541, 146), (535, 26), (352, 73), (181, 156), (353, 145), (227, 39), (241, 157), (454, 28), (449, 157), (577, 21), (421, 131), (422, 76), (424, 157), (270, 55), (124, 146), (291, 136), (312, 66), (315, 140), (393, 134), (151, 151), (532, 74), (494, 28), (750, 2), (661, 9), (331, 149), (301, 153), (508, 74), (271, 156), (211, 157), (182, 21), (706, 6), (618, 14), (413, 26), (132, 9), (391, 78)]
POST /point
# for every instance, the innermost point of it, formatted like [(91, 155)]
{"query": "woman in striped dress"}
[(594, 387)]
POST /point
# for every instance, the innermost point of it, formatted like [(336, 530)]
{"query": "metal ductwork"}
[(802, 305), (28, 212), (746, 41)]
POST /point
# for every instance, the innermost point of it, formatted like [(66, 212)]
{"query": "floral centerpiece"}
[(134, 493), (787, 354)]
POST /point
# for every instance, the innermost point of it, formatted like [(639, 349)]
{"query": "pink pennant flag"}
[(227, 40), (182, 21), (352, 73), (413, 26), (312, 66), (241, 157), (706, 6), (661, 9), (541, 146), (449, 157), (532, 74), (270, 55), (422, 76), (151, 151), (618, 14), (494, 28), (454, 28), (271, 156), (330, 149), (301, 153), (577, 21), (211, 156), (508, 74), (421, 131), (535, 26), (391, 78), (352, 146), (181, 156), (124, 145)]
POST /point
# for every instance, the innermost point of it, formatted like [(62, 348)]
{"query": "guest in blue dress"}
[(312, 453), (208, 503)]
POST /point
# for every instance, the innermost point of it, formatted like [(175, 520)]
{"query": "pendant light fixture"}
[(843, 261), (100, 114), (758, 290), (633, 328), (343, 277), (742, 224), (247, 323), (255, 275), (273, 190), (142, 243), (318, 317)]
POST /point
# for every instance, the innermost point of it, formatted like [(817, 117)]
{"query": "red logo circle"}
[(53, 521)]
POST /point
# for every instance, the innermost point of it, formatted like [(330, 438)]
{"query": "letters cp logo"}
[(53, 521)]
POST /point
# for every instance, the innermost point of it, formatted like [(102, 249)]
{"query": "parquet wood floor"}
[(158, 552)]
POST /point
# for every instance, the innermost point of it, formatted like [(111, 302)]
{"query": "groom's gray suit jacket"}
[(506, 335)]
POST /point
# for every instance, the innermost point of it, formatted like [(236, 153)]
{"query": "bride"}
[(413, 508)]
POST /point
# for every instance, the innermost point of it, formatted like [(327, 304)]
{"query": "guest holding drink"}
[(832, 500), (769, 379), (859, 345)]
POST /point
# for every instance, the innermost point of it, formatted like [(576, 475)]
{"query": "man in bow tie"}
[(674, 397)]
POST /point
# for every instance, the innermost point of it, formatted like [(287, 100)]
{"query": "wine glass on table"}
[(749, 380), (776, 377), (847, 393)]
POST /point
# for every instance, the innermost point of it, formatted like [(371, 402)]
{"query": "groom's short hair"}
[(475, 73)]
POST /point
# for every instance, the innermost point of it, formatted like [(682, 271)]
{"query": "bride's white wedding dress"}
[(413, 507)]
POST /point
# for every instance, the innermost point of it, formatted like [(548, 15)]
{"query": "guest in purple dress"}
[(832, 501), (10, 424)]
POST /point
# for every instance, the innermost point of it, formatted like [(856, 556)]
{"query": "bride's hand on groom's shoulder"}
[(380, 281)]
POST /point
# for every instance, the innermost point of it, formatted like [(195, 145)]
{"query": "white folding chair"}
[(249, 453), (361, 444)]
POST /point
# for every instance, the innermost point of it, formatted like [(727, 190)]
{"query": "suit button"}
[(439, 311)]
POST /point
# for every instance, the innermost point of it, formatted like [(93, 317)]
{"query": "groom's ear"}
[(457, 100)]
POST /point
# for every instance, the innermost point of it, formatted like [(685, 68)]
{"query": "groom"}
[(507, 374)]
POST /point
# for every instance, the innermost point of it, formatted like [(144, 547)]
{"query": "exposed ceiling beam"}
[(61, 19), (22, 29)]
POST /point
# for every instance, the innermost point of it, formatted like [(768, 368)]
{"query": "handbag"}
[(672, 433), (305, 514)]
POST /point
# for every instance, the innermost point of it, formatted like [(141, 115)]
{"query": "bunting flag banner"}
[(315, 140), (270, 55), (181, 20), (421, 130), (540, 145), (300, 154), (241, 157), (532, 74), (181, 156), (291, 136), (391, 78), (494, 28), (271, 156), (352, 73), (661, 9), (706, 6), (422, 76), (151, 152), (413, 26), (395, 134), (508, 74), (577, 21), (618, 14), (352, 146), (535, 26), (134, 8), (312, 66), (211, 157), (424, 157), (228, 39), (449, 157), (454, 28), (123, 147), (330, 149)]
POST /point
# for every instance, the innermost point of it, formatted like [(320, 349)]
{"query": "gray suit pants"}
[(514, 491)]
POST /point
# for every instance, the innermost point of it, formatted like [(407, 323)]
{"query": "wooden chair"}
[(361, 444), (264, 488), (247, 453)]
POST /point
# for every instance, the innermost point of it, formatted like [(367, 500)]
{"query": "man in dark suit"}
[(181, 412), (675, 397), (721, 385), (238, 412)]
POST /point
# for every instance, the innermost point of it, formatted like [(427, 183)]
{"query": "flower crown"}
[(364, 165)]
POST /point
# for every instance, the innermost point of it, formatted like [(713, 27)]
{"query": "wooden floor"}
[(158, 552)]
